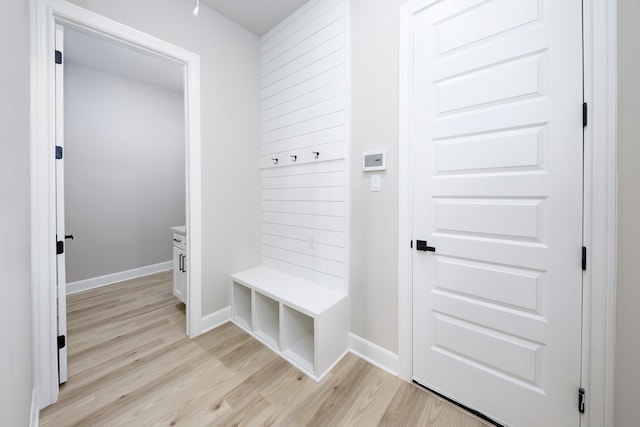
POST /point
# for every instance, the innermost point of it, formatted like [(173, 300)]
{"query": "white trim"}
[(405, 325), (374, 354), (44, 15), (193, 194), (213, 320), (34, 415), (600, 215), (600, 210), (347, 159), (121, 276)]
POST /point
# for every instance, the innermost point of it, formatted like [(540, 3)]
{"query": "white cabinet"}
[(307, 324), (180, 263)]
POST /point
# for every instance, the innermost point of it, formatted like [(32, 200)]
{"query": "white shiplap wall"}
[(304, 109)]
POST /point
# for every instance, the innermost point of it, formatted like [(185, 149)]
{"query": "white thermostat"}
[(374, 160)]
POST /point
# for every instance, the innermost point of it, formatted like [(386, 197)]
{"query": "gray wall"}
[(374, 216), (15, 286), (230, 130), (627, 391), (124, 172)]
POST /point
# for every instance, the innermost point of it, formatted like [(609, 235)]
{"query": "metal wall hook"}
[(316, 154), (275, 160), (293, 157)]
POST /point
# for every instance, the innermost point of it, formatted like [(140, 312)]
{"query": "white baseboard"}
[(110, 279), (213, 320), (34, 419), (374, 354)]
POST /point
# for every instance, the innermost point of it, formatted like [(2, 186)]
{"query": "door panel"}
[(496, 159)]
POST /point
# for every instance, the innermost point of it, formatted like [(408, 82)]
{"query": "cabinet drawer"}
[(180, 241)]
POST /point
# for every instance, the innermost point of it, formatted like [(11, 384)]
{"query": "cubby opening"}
[(298, 339), (241, 307), (267, 319)]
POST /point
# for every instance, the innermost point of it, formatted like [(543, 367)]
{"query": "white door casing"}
[(60, 230), (45, 15), (495, 138)]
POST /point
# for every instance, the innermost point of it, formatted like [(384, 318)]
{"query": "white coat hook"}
[(316, 154), (275, 160), (293, 157)]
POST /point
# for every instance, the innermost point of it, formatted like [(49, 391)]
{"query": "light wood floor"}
[(130, 363)]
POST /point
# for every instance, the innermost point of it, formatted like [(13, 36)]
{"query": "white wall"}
[(230, 106), (304, 109), (15, 287), (374, 216), (124, 172), (627, 380)]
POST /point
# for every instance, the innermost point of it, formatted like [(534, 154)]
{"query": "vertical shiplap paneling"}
[(304, 108)]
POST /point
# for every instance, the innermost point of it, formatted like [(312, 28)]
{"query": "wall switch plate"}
[(375, 182)]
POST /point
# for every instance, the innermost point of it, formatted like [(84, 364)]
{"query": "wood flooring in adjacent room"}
[(131, 364)]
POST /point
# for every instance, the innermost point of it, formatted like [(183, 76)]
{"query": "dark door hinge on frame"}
[(581, 400), (58, 57), (59, 247), (584, 114), (584, 258), (62, 341)]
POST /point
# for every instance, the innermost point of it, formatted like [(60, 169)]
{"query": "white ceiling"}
[(257, 16), (117, 58)]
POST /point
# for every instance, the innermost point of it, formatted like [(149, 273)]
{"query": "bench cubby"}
[(306, 323), (267, 319)]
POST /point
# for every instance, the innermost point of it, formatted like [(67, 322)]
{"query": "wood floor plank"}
[(371, 403), (337, 404), (406, 407), (131, 364)]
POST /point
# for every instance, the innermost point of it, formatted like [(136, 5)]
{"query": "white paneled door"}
[(496, 138), (60, 231)]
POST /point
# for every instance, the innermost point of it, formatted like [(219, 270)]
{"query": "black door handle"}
[(69, 236), (421, 245)]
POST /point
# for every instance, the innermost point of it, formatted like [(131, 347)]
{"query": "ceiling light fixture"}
[(196, 10)]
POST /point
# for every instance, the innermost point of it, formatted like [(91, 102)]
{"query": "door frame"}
[(600, 204), (44, 16)]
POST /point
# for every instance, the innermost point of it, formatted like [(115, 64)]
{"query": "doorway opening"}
[(121, 176), (46, 15)]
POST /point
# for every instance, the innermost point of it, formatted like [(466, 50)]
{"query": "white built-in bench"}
[(306, 323)]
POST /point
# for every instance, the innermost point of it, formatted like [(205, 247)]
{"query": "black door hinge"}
[(58, 152), (581, 400), (62, 341), (412, 244), (59, 247), (584, 114), (58, 57), (584, 258)]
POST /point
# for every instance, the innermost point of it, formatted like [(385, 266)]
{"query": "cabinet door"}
[(179, 274)]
